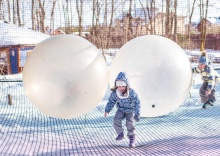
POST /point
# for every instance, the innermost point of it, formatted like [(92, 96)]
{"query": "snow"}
[(190, 130), (13, 35)]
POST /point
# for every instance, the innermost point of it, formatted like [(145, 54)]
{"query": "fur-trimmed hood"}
[(122, 76)]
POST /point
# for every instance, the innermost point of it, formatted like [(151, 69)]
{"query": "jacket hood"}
[(122, 76)]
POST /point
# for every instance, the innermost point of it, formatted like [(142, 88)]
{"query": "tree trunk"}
[(129, 32), (14, 13), (93, 18), (175, 21), (168, 19), (79, 8), (109, 36), (66, 14), (42, 15), (1, 12), (33, 15), (153, 6), (18, 13), (106, 13), (203, 23), (145, 17), (149, 13), (68, 24), (9, 11), (52, 16), (162, 16), (190, 21), (38, 20)]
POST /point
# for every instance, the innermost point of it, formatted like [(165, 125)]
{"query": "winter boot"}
[(210, 103), (204, 106), (131, 141), (120, 136)]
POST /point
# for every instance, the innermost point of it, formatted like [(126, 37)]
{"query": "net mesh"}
[(108, 24)]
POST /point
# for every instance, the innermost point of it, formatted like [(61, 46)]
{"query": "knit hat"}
[(122, 79), (120, 83), (203, 58)]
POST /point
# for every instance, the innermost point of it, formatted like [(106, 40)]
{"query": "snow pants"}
[(202, 93), (119, 116)]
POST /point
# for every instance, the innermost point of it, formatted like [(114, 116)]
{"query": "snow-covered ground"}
[(190, 130)]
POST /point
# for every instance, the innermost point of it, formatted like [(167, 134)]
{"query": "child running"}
[(128, 104)]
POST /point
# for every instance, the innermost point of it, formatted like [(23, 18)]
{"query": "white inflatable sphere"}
[(158, 70), (65, 76)]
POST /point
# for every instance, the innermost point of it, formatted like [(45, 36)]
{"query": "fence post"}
[(9, 99)]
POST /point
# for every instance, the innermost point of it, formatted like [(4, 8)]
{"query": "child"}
[(210, 78), (128, 106)]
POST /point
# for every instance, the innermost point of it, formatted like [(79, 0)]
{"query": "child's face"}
[(121, 88), (201, 66)]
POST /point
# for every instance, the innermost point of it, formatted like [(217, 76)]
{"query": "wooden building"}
[(16, 44)]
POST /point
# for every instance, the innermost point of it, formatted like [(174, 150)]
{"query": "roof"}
[(213, 20), (139, 12), (11, 34)]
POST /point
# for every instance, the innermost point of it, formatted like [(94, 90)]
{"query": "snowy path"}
[(190, 130)]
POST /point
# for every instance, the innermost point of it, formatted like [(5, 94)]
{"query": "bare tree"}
[(96, 37), (203, 27), (149, 16), (162, 15), (128, 30), (92, 31), (79, 8), (52, 15), (109, 36), (98, 7), (106, 13), (1, 13), (190, 21), (65, 12), (168, 19), (113, 35), (9, 11), (33, 14), (145, 16), (68, 23), (153, 6), (175, 21), (38, 25), (18, 13), (60, 11), (129, 15), (14, 13), (41, 14)]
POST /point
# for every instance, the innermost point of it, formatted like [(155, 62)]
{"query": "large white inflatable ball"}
[(159, 71), (65, 76)]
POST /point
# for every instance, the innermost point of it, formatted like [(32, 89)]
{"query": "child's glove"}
[(137, 118)]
